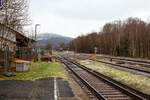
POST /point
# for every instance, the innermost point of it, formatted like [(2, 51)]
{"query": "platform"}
[(42, 89)]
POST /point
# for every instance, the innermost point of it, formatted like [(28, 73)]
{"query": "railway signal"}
[(95, 50), (94, 55)]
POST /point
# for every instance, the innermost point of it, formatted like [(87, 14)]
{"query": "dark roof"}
[(16, 32), (20, 38)]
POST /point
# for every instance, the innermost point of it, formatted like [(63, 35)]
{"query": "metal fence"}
[(4, 58), (25, 53), (1, 59), (21, 53)]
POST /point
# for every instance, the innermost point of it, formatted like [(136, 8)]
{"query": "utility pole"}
[(35, 57), (36, 25)]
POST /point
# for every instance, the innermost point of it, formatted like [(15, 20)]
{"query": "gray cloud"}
[(98, 9), (82, 15)]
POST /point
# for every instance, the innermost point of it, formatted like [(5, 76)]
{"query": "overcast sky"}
[(76, 17)]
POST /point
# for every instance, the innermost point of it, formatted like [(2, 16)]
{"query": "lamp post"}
[(36, 25)]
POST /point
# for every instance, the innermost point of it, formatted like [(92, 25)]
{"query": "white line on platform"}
[(55, 89)]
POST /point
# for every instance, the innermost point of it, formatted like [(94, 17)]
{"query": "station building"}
[(13, 38), (18, 45)]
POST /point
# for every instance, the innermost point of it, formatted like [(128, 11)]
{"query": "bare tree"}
[(13, 14), (119, 38)]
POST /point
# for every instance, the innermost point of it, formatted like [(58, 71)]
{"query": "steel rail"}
[(127, 90), (127, 59), (121, 66), (90, 87), (144, 63), (114, 83)]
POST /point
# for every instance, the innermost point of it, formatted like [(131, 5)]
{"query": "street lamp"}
[(36, 25)]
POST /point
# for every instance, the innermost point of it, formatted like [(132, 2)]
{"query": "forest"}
[(128, 38)]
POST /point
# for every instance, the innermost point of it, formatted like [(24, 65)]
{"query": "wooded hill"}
[(129, 38), (53, 39)]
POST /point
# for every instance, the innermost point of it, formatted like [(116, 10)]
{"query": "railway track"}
[(144, 69), (102, 86), (143, 66), (141, 62), (129, 60), (140, 69)]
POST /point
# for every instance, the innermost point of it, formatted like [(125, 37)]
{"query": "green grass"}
[(139, 82), (38, 70)]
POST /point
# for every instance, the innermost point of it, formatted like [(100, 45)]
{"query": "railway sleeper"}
[(115, 96), (125, 98), (109, 93), (112, 96)]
